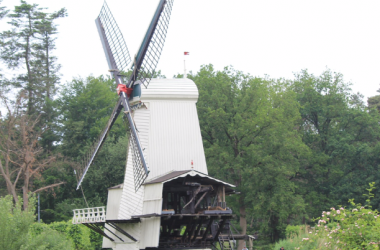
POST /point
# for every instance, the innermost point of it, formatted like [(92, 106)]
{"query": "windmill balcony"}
[(89, 215)]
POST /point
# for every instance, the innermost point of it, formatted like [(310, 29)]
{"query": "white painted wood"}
[(131, 202), (113, 203), (150, 227), (169, 132)]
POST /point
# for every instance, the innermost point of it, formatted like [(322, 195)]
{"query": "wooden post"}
[(224, 194), (250, 243), (220, 194), (207, 229), (221, 225), (165, 201)]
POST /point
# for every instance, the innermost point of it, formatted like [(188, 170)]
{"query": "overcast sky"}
[(273, 37)]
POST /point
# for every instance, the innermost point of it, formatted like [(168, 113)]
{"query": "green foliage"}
[(14, 223), (67, 234), (355, 228), (86, 105), (43, 237), (303, 237), (3, 10), (79, 235), (248, 130), (342, 137)]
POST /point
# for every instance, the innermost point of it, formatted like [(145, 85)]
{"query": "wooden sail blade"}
[(139, 172), (98, 144), (149, 53), (113, 42), (140, 167)]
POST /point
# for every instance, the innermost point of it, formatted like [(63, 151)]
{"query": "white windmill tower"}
[(173, 203)]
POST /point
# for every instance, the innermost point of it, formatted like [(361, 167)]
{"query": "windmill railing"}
[(89, 215)]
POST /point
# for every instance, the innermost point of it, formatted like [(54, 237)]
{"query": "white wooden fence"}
[(89, 215)]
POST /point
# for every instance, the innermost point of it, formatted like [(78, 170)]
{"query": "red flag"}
[(186, 53)]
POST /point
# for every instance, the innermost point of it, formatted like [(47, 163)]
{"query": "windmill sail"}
[(143, 69), (113, 42), (99, 143), (151, 47)]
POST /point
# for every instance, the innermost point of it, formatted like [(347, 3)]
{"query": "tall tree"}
[(3, 11), (27, 45), (46, 63), (20, 152), (374, 101), (343, 138), (250, 138), (85, 107)]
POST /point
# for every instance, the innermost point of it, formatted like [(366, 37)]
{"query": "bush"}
[(14, 223), (298, 235), (19, 231), (341, 228), (46, 239)]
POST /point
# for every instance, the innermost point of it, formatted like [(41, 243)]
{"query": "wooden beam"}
[(198, 228), (165, 201), (224, 194), (200, 199), (98, 230), (220, 229), (122, 231), (193, 228), (171, 226), (207, 229), (187, 229)]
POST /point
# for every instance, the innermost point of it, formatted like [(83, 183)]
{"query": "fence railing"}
[(89, 215)]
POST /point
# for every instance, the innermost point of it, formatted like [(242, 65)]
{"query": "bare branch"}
[(47, 187)]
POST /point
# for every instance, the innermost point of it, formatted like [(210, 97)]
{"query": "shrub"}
[(341, 228), (14, 222)]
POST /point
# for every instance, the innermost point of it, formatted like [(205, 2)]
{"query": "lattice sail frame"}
[(153, 53), (115, 38), (139, 173)]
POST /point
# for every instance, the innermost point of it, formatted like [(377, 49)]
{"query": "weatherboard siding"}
[(175, 146), (169, 132), (150, 227), (175, 137), (131, 202)]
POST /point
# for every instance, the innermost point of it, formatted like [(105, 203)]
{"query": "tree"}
[(374, 101), (20, 150), (3, 11), (85, 106), (48, 71), (343, 137), (249, 131), (29, 44)]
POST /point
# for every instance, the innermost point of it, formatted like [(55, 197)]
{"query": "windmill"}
[(143, 68), (173, 203)]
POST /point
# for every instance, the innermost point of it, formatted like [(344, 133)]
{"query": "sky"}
[(273, 37)]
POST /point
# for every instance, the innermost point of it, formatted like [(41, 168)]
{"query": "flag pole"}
[(184, 66), (184, 63)]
